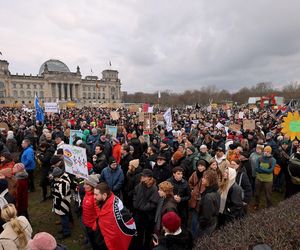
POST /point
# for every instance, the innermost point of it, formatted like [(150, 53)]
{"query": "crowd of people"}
[(161, 189)]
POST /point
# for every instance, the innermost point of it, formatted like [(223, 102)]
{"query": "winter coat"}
[(181, 241), (161, 173), (167, 152), (145, 200), (45, 158), (196, 188), (22, 192), (92, 141), (12, 145), (89, 206), (253, 161), (165, 205), (182, 189), (138, 150), (133, 179), (189, 164), (234, 203), (61, 195), (209, 208), (28, 159), (9, 239), (242, 177), (114, 178), (125, 159), (264, 168), (116, 152)]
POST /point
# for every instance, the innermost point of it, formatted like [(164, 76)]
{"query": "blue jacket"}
[(28, 159), (114, 178)]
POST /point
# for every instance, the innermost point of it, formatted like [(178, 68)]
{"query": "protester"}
[(161, 170), (43, 241), (115, 222), (16, 231)]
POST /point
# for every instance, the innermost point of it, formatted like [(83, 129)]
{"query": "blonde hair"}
[(9, 214), (167, 187)]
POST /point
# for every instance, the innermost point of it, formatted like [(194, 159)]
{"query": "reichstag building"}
[(55, 82)]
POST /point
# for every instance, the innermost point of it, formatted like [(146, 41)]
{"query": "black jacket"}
[(125, 162), (100, 163), (234, 203), (209, 207), (133, 179), (45, 158), (182, 241), (161, 173), (182, 189), (243, 178)]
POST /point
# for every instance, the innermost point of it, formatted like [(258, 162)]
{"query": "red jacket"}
[(116, 152), (22, 195), (89, 215), (116, 224)]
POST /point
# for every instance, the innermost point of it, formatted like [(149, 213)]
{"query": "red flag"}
[(116, 224), (145, 107)]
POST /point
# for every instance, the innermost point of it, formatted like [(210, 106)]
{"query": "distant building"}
[(55, 82)]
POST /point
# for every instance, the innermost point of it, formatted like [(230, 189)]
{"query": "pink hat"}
[(42, 241)]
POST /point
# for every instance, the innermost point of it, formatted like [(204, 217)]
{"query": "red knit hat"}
[(177, 155), (171, 221)]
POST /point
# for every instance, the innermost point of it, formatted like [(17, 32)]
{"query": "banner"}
[(75, 160), (241, 115), (51, 107), (168, 119), (111, 130), (148, 123), (75, 134), (249, 124)]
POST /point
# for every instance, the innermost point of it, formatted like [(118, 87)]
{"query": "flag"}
[(0, 53), (110, 63), (159, 96), (91, 71), (39, 113), (116, 224), (168, 119), (145, 107)]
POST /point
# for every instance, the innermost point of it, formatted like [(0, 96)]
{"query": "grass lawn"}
[(42, 218)]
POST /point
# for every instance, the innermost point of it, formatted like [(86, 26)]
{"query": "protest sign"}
[(75, 134), (51, 107), (133, 108), (114, 115), (168, 119), (141, 117), (75, 160), (235, 127), (147, 123), (241, 115), (111, 130), (219, 125), (249, 124), (4, 126)]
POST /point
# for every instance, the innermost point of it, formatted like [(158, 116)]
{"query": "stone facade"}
[(55, 82)]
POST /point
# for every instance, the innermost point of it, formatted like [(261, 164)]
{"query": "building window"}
[(21, 85), (84, 96), (28, 86), (34, 86), (22, 93), (41, 94), (103, 96), (94, 96), (28, 94), (14, 85), (15, 93), (89, 95), (41, 86)]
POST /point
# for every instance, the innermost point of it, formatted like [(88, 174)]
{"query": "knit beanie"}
[(42, 241), (92, 180), (57, 172), (171, 221), (135, 163), (192, 148), (177, 155)]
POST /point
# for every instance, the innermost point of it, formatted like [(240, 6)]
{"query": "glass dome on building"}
[(54, 66)]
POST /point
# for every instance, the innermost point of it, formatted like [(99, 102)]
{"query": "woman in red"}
[(6, 161), (116, 151), (89, 214)]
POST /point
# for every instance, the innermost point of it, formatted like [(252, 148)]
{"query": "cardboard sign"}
[(147, 123), (75, 160), (115, 115), (4, 125), (160, 118), (111, 130), (249, 124), (75, 134), (235, 127), (141, 117), (51, 107), (133, 108)]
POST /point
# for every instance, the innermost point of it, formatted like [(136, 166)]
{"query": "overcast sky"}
[(157, 44)]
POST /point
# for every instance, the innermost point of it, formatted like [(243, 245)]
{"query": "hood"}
[(231, 176)]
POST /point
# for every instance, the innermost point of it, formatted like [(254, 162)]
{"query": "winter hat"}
[(269, 135), (79, 142), (268, 149), (147, 173), (165, 140), (42, 241), (171, 221), (116, 140), (18, 167), (55, 159), (135, 163), (92, 180), (202, 163), (161, 156), (203, 147), (3, 185), (111, 160), (192, 148), (177, 155), (57, 172)]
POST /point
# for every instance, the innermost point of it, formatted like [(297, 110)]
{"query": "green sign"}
[(295, 126)]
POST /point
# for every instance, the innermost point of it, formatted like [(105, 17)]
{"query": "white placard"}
[(51, 107), (75, 160), (219, 125), (168, 119), (241, 115)]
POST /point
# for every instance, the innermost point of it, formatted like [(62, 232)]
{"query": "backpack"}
[(3, 201)]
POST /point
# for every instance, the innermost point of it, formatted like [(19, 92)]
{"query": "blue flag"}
[(39, 113)]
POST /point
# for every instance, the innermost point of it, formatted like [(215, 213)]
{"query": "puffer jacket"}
[(114, 178), (27, 158), (89, 206)]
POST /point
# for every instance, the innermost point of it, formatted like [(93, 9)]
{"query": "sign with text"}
[(51, 107), (249, 124), (235, 127)]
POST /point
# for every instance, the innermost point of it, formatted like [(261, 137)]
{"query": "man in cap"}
[(165, 149), (204, 155), (113, 176), (264, 176), (161, 170)]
